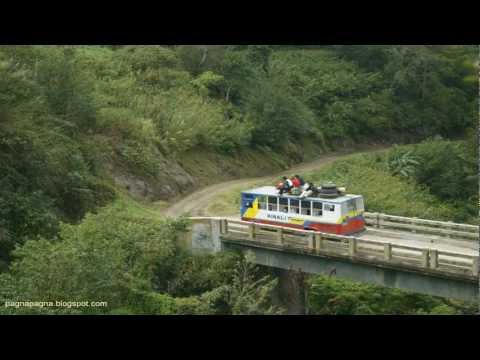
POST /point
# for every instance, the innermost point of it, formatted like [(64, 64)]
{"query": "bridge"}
[(423, 256)]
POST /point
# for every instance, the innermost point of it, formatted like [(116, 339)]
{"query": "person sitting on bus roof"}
[(296, 182), (302, 182), (309, 189), (288, 183), (280, 186), (286, 187)]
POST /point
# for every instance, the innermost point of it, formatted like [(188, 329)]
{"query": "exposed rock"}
[(138, 188), (171, 181)]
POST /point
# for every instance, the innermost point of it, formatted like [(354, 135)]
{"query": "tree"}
[(192, 58), (67, 92), (260, 56), (250, 293), (144, 58), (238, 76), (330, 296), (112, 257), (279, 117), (456, 182), (208, 83), (370, 57)]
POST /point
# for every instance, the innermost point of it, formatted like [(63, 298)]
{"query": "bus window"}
[(351, 205), (360, 206), (272, 203), (283, 202), (306, 208), (329, 207), (294, 206), (317, 209), (247, 200), (262, 202)]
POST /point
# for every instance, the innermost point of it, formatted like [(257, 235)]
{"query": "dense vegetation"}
[(71, 114), (330, 296), (128, 257)]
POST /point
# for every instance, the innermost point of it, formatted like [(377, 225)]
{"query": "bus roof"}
[(272, 191)]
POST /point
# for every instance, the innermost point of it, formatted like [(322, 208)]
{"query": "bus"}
[(339, 214)]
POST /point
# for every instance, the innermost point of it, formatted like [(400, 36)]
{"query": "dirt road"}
[(195, 203)]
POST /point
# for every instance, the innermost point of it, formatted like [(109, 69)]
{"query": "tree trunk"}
[(205, 55), (227, 96)]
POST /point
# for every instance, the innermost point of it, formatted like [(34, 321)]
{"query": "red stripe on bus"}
[(353, 226)]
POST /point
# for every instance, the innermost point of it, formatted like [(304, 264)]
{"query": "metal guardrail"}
[(354, 248)]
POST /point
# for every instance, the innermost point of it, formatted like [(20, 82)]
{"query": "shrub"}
[(329, 296), (144, 58), (192, 306), (109, 257), (187, 120), (382, 191)]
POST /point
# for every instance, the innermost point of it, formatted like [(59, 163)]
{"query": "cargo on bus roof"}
[(272, 191)]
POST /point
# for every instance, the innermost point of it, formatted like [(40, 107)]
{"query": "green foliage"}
[(370, 57), (242, 289), (15, 86), (330, 296), (391, 193), (237, 74), (260, 55), (66, 90), (346, 102), (68, 113), (449, 171), (383, 192), (45, 178), (192, 58), (444, 168), (414, 180), (112, 256), (146, 58), (127, 257), (402, 163), (193, 306), (138, 157), (332, 93), (195, 275), (250, 292), (208, 83), (278, 117), (151, 303), (186, 121)]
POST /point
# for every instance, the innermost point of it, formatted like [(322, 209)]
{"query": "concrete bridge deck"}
[(424, 256)]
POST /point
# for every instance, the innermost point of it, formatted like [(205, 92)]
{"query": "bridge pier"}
[(292, 291)]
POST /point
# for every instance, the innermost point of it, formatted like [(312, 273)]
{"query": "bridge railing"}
[(353, 248), (415, 225)]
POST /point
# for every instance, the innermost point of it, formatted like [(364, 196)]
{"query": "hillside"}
[(79, 122), (90, 131), (378, 176)]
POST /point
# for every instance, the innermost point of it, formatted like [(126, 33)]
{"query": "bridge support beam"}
[(400, 279)]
